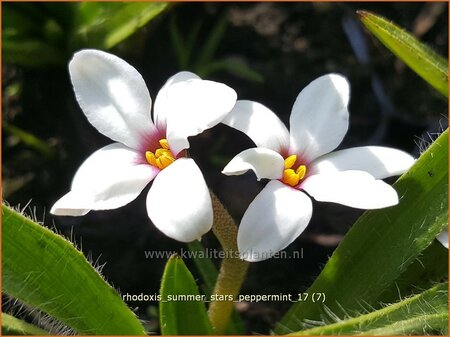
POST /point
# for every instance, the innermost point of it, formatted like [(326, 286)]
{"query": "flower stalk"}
[(232, 270)]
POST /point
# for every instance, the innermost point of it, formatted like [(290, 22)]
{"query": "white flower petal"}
[(277, 216), (194, 106), (112, 95), (162, 104), (356, 189), (265, 163), (260, 124), (380, 162), (319, 118), (443, 238), (179, 203), (71, 204), (110, 178)]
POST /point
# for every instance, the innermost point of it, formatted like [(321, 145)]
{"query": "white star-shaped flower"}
[(116, 101), (300, 161)]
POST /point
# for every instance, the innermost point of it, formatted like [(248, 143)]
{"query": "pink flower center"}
[(292, 176), (162, 157)]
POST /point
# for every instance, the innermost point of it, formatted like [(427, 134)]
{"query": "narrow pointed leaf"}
[(182, 308), (424, 325), (105, 24), (422, 314), (47, 272), (382, 243), (432, 67)]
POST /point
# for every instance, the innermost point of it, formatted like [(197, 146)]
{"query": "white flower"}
[(299, 162), (116, 101)]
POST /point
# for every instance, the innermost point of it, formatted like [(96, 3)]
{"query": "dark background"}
[(289, 45)]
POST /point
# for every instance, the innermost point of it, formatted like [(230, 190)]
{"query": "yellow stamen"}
[(292, 177), (301, 171), (166, 160), (164, 143), (150, 156), (159, 164), (290, 161), (162, 152), (162, 157)]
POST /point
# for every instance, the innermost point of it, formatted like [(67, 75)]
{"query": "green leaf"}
[(47, 272), (209, 273), (12, 326), (426, 313), (382, 243), (105, 24), (432, 67), (205, 266), (182, 308), (429, 267), (420, 325)]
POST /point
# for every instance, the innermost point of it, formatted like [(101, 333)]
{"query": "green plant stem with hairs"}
[(232, 270)]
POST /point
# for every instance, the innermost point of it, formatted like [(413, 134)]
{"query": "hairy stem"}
[(232, 271)]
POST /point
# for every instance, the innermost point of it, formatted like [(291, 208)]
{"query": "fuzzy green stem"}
[(232, 270)]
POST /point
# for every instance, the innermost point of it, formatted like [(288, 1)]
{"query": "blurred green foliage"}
[(30, 140), (429, 65), (199, 56), (44, 34)]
